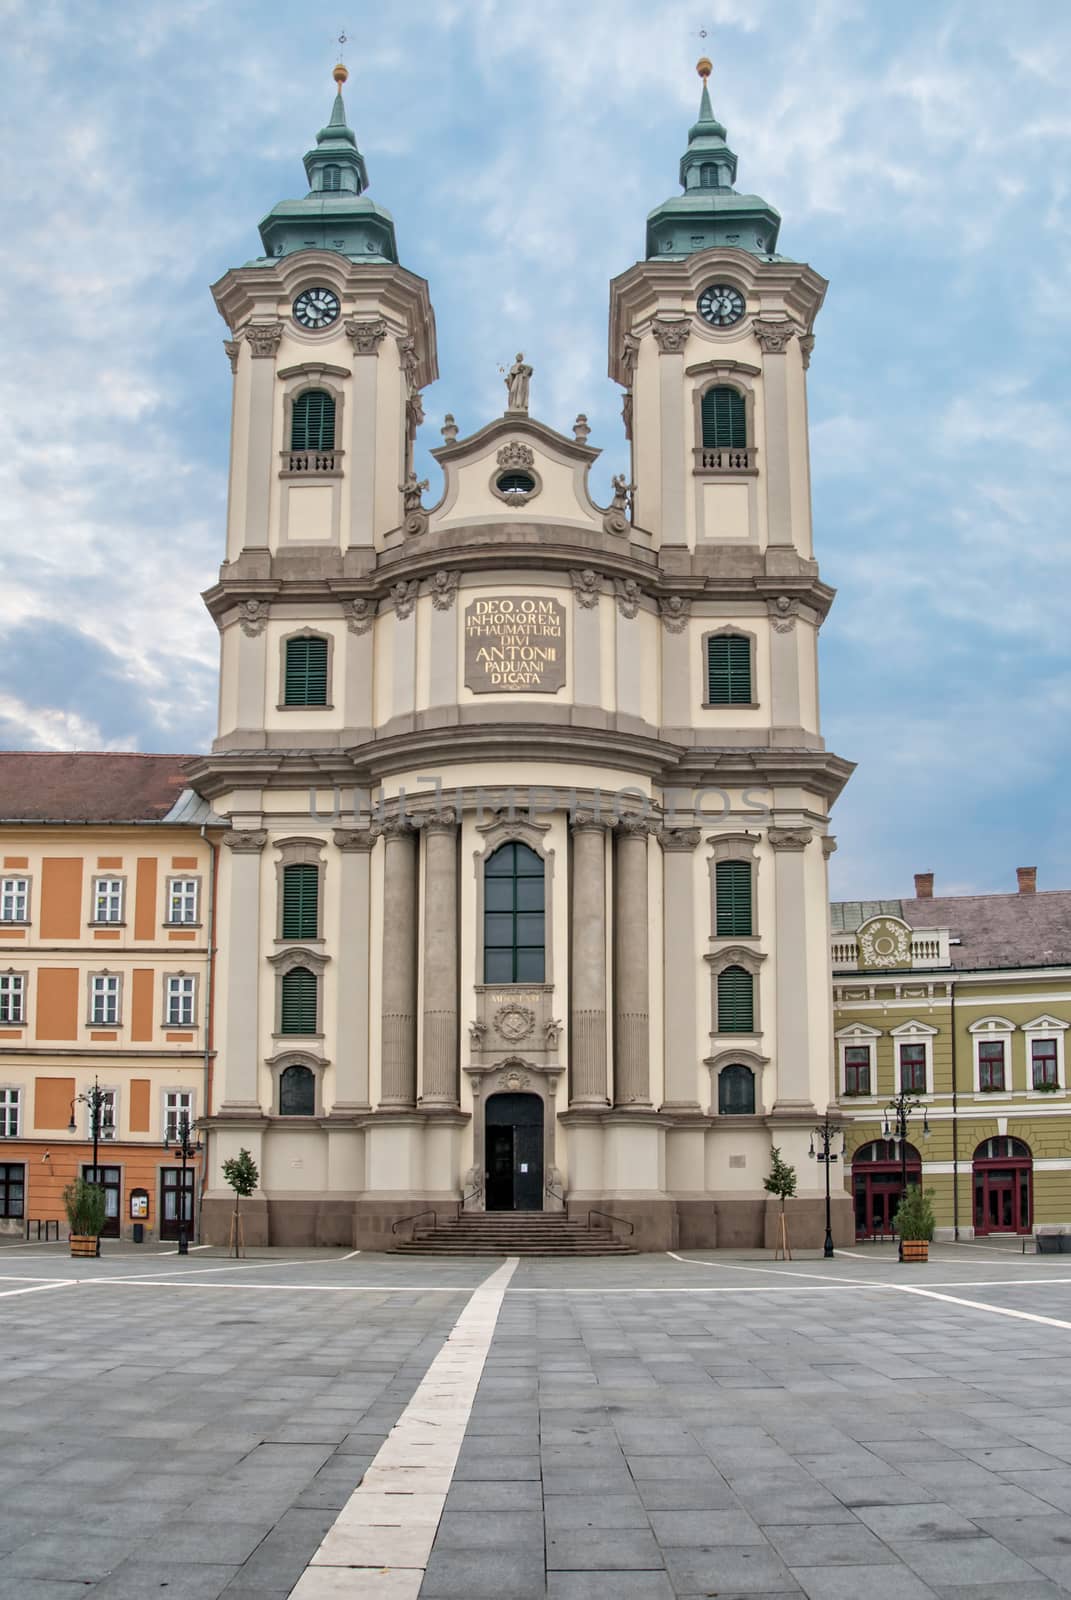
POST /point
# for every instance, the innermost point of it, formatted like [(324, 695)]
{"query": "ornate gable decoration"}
[(884, 942)]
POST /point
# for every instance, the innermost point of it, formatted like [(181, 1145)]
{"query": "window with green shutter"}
[(736, 1001), (312, 426), (729, 670), (305, 676), (298, 1009), (513, 916), (724, 419), (732, 893), (301, 901)]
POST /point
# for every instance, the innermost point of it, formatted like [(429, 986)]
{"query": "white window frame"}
[(13, 989), (15, 895), (171, 1114), (175, 988), (105, 985), (990, 1030), (1045, 1027), (914, 1032), (190, 895), (110, 1099), (10, 1112), (856, 1036), (109, 893)]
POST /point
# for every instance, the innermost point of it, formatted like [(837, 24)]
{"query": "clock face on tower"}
[(721, 305), (316, 308)]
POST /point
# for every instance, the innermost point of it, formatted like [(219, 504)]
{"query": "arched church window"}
[(301, 901), (312, 426), (332, 178), (736, 1092), (708, 175), (729, 670), (732, 895), (736, 1001), (297, 1092), (513, 916), (297, 1011), (305, 672), (724, 419)]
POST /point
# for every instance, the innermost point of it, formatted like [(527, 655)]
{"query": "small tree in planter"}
[(242, 1175), (84, 1204), (915, 1222), (781, 1182)]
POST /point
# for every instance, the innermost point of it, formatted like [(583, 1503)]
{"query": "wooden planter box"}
[(915, 1249), (83, 1244)]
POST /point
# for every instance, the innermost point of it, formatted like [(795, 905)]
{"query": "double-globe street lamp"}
[(185, 1147), (900, 1110), (99, 1102), (827, 1133)]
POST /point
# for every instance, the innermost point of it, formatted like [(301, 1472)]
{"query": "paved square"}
[(322, 1424)]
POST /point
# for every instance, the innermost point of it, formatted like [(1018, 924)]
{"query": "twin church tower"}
[(523, 900)]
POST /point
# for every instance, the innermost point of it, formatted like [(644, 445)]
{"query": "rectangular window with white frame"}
[(178, 1103), (1044, 1064), (10, 1101), (183, 897), (913, 1068), (180, 992), (109, 1116), (107, 899), (104, 991), (991, 1064), (857, 1069), (12, 998), (14, 899)]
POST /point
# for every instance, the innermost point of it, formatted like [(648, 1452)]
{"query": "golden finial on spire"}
[(340, 74), (704, 66)]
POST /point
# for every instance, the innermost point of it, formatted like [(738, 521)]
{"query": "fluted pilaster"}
[(588, 1076), (439, 1035), (632, 982), (399, 998)]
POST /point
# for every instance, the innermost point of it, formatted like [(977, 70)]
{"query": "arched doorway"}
[(514, 1153), (878, 1183), (1003, 1184)]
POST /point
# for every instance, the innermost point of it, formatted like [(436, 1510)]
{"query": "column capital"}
[(783, 610), (790, 838), (263, 339), (671, 336), (365, 334), (433, 822), (390, 828), (634, 827), (587, 586), (360, 615), (354, 840), (829, 844), (675, 613), (246, 842), (806, 347), (590, 822), (774, 334), (679, 839), (232, 348)]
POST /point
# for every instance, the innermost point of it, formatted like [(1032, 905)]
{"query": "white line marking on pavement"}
[(781, 1272), (381, 1540), (980, 1305), (351, 1255), (37, 1288)]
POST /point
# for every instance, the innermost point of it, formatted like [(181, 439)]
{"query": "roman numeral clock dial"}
[(316, 309)]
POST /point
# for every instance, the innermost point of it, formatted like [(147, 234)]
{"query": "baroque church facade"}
[(522, 897)]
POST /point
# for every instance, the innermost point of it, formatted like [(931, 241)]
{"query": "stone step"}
[(513, 1233)]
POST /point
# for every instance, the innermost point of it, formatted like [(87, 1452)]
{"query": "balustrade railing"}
[(722, 458)]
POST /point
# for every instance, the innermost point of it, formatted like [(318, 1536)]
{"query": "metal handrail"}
[(428, 1212), (473, 1194), (555, 1194), (625, 1223)]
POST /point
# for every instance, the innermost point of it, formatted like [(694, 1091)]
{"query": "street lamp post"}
[(901, 1108), (826, 1133), (100, 1117), (185, 1147)]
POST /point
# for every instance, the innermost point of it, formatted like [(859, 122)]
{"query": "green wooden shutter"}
[(301, 897), (312, 426), (299, 1002), (736, 1001), (729, 670), (732, 885), (724, 419), (306, 672)]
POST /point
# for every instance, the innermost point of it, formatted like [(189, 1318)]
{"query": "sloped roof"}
[(993, 930), (94, 786)]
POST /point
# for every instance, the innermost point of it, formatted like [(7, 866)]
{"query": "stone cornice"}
[(514, 426)]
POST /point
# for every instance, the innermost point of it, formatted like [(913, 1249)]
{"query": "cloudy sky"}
[(918, 153)]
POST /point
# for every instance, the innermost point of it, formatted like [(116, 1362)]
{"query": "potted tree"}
[(84, 1204), (915, 1222), (242, 1175), (781, 1182)]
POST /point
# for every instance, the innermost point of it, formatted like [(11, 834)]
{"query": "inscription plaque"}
[(514, 642)]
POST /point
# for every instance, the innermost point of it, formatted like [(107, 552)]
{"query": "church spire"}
[(336, 213), (710, 212)]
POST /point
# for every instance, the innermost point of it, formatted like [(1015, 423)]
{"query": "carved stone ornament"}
[(581, 431), (552, 1032), (774, 334), (443, 589), (784, 612), (629, 595), (253, 616), (589, 822), (477, 1033), (360, 615), (806, 347), (411, 491), (634, 827), (516, 454), (513, 1081), (366, 335), (829, 845), (679, 838), (675, 613), (404, 597), (629, 352), (671, 337), (587, 586), (790, 838), (449, 428), (392, 828), (514, 1022), (518, 380), (416, 522), (232, 347), (884, 942), (263, 339), (443, 820), (354, 841), (626, 412), (247, 842), (407, 357)]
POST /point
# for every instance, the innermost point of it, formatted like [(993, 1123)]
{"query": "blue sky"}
[(918, 153)]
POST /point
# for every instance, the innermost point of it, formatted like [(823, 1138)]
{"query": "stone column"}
[(784, 662), (440, 1055), (671, 336), (242, 974), (632, 981), (365, 336), (587, 1054), (351, 1044), (793, 997), (398, 1088), (263, 339), (774, 335), (679, 959)]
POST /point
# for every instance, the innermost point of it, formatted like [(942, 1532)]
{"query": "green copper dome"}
[(336, 214), (710, 212)]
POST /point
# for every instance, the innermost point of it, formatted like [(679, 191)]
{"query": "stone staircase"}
[(512, 1233)]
